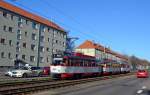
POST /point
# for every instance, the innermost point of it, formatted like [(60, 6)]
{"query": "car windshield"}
[(36, 68), (141, 71), (18, 68)]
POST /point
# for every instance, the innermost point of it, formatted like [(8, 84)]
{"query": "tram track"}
[(10, 79), (24, 82), (28, 88)]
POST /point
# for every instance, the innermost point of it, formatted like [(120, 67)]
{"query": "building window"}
[(33, 36), (17, 56), (10, 29), (9, 55), (24, 57), (12, 17), (55, 33), (19, 36), (48, 39), (26, 34), (27, 22), (48, 29), (64, 44), (54, 50), (10, 42), (42, 38), (32, 47), (19, 32), (5, 14), (41, 49), (56, 41), (20, 19), (65, 36), (4, 28), (34, 25), (17, 49), (41, 59), (32, 58), (20, 24), (43, 29), (24, 45), (47, 49), (62, 35), (47, 59), (18, 44), (2, 41), (2, 54), (60, 42)]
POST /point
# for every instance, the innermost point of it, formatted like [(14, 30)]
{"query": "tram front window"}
[(57, 62)]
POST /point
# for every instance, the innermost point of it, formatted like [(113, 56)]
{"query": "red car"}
[(46, 71), (142, 74)]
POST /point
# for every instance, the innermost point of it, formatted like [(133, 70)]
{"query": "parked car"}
[(26, 72), (46, 71), (142, 74), (9, 72)]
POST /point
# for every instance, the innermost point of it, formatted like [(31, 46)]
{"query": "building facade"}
[(100, 52), (28, 37)]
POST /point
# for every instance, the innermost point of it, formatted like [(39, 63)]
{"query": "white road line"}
[(139, 91), (144, 87)]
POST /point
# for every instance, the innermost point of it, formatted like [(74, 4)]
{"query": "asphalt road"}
[(129, 85)]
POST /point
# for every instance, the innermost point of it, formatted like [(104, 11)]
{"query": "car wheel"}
[(24, 75), (40, 74)]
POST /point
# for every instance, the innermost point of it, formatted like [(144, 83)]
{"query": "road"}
[(129, 85)]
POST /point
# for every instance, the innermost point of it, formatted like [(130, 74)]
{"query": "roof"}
[(91, 45), (28, 15)]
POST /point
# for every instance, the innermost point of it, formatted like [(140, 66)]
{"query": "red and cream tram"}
[(77, 65), (125, 68), (110, 67), (74, 65)]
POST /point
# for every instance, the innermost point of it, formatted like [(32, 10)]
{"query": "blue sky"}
[(123, 25)]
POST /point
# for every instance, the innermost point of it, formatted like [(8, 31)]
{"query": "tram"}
[(78, 65)]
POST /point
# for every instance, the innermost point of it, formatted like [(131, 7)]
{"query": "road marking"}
[(144, 87), (139, 91)]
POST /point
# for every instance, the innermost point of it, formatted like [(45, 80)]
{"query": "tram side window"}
[(85, 63), (78, 62), (73, 62), (90, 63), (65, 61), (93, 63), (81, 63), (70, 62)]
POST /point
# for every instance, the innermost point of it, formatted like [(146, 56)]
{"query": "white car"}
[(25, 72), (8, 73)]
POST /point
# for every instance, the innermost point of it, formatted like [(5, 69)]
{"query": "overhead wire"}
[(81, 33), (92, 35), (53, 20)]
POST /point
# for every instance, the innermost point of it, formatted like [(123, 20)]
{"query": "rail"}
[(40, 86)]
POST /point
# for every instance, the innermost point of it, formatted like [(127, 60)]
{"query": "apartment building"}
[(28, 37), (100, 52)]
